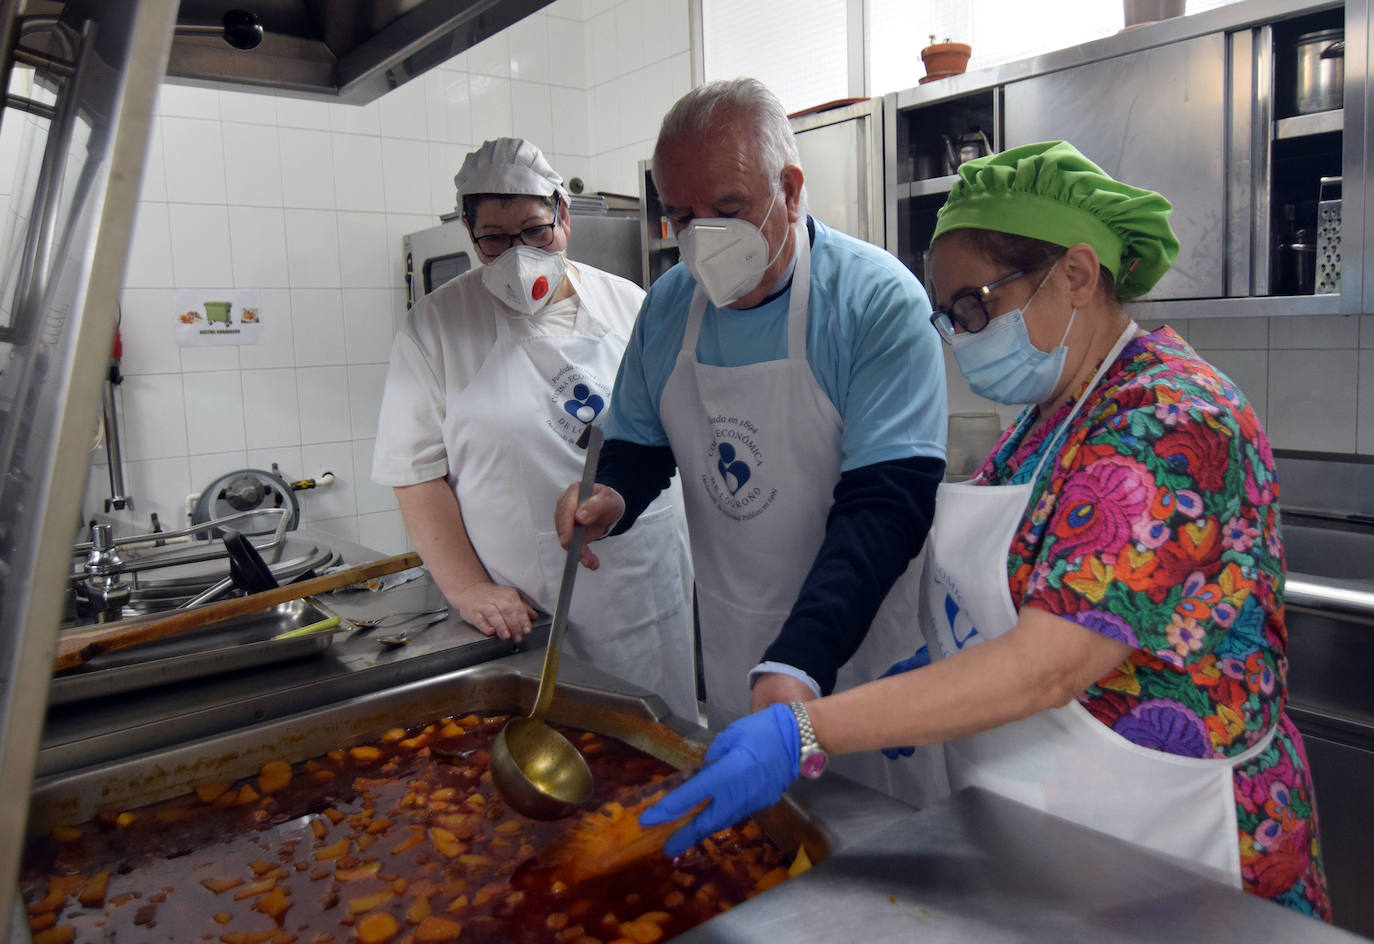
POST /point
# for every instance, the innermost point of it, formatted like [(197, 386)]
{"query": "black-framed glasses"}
[(968, 310), (536, 236)]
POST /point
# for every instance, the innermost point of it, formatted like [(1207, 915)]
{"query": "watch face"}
[(812, 764)]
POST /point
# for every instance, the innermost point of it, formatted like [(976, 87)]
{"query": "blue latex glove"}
[(918, 659), (748, 767)]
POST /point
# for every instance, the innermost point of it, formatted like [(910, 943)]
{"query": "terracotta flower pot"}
[(946, 58)]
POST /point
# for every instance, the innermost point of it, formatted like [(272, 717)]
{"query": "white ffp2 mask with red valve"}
[(525, 279)]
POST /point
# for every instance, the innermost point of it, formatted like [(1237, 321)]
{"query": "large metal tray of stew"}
[(375, 820)]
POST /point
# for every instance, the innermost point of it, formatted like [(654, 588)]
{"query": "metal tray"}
[(227, 646)]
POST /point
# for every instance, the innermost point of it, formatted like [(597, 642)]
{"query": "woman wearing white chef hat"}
[(492, 379)]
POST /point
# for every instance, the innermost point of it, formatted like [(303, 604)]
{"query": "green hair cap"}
[(1051, 192)]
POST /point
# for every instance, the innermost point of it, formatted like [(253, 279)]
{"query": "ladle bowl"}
[(537, 770)]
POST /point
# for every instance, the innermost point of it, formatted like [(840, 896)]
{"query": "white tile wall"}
[(1364, 431), (1310, 378), (1312, 399), (305, 202), (214, 411)]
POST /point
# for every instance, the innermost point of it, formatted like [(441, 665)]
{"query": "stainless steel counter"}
[(974, 867), (978, 867), (104, 729)]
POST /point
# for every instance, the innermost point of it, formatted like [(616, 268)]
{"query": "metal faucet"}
[(106, 590)]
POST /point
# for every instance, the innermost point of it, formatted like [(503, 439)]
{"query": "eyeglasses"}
[(536, 236), (968, 310)]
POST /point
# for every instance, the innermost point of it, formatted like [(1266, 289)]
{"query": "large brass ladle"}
[(538, 770)]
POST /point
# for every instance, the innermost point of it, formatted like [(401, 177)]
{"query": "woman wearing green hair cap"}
[(1117, 558), (1102, 604)]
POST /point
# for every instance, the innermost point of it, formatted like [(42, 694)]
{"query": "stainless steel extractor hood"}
[(343, 50)]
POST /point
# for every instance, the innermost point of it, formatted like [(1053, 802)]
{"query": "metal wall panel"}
[(1157, 119)]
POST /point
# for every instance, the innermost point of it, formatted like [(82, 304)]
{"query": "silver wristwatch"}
[(813, 757)]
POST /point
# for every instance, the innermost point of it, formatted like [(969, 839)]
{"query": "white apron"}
[(758, 449), (1063, 760), (511, 439)]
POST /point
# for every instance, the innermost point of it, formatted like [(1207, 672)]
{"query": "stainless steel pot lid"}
[(296, 555), (164, 588)]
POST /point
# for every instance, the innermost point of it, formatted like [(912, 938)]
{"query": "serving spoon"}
[(537, 770)]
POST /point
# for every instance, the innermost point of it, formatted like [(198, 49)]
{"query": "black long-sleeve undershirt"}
[(877, 523)]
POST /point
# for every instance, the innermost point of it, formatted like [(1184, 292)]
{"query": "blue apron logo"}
[(740, 487), (577, 397), (955, 619), (584, 406), (735, 472)]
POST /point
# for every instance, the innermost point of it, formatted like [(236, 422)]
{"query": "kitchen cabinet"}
[(1155, 118), (1201, 108)]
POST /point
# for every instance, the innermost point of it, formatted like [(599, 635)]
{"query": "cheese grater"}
[(1329, 236)]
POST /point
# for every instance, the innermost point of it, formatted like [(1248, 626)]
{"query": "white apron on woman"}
[(1063, 760), (758, 451), (511, 440)]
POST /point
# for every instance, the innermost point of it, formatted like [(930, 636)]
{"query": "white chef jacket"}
[(480, 398)]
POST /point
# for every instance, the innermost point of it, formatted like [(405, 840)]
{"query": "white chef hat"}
[(508, 166)]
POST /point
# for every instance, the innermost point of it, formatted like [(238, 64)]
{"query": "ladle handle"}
[(570, 565)]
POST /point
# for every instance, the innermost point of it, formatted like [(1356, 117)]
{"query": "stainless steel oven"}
[(1328, 536), (606, 239)]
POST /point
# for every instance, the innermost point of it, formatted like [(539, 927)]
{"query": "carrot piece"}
[(641, 932), (42, 922), (247, 795), (66, 833), (365, 754), (377, 927), (274, 904), (445, 842), (418, 911), (434, 929), (771, 879), (248, 937), (332, 851), (93, 895), (392, 736), (219, 885), (368, 902), (318, 827), (62, 934), (255, 888), (210, 792), (274, 776), (367, 870), (415, 839)]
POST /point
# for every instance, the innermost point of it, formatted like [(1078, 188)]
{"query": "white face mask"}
[(525, 279), (727, 257)]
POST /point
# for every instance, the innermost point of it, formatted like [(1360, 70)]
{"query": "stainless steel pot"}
[(1320, 72)]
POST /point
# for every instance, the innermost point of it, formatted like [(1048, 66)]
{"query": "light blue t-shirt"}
[(869, 342)]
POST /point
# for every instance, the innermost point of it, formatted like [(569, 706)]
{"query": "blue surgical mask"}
[(1001, 364)]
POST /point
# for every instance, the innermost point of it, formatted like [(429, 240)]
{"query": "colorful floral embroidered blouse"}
[(1156, 522)]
